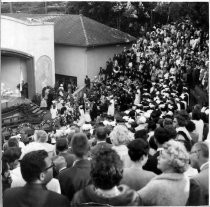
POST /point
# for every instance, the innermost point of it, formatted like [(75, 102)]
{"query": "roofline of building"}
[(98, 45), (8, 51), (25, 22)]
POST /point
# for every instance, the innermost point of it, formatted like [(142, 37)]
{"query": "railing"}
[(80, 92)]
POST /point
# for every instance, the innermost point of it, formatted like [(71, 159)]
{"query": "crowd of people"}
[(132, 139)]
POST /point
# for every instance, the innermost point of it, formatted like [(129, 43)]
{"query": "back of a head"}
[(161, 135), (61, 144), (184, 114), (196, 115), (137, 148), (80, 145), (171, 131), (141, 134), (190, 126), (151, 125), (182, 121), (167, 121), (12, 154), (41, 136), (106, 169), (32, 164), (13, 142), (101, 133)]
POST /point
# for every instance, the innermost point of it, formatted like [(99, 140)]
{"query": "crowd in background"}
[(132, 139)]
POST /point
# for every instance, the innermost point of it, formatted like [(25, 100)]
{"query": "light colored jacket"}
[(136, 178), (202, 179), (167, 189)]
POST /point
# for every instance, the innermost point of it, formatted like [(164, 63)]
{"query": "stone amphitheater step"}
[(34, 107), (35, 111), (40, 112)]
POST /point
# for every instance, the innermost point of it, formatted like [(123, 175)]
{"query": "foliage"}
[(36, 99), (126, 16)]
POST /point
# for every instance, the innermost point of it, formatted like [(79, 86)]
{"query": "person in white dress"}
[(137, 96), (199, 124), (87, 113), (111, 106), (82, 116), (54, 110)]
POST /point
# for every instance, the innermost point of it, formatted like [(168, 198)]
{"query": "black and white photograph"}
[(104, 103)]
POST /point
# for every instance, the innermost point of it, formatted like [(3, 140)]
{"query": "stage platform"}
[(8, 101)]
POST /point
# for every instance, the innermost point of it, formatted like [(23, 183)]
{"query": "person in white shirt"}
[(18, 181), (40, 142), (199, 124), (54, 110)]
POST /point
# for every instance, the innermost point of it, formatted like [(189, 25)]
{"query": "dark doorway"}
[(65, 80)]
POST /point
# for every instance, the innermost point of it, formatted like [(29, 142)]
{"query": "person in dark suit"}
[(36, 168), (199, 159), (161, 136), (101, 135), (62, 150), (87, 82), (78, 176)]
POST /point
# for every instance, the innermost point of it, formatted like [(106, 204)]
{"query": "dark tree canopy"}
[(126, 16)]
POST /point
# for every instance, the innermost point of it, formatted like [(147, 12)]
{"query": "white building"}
[(27, 53), (78, 47)]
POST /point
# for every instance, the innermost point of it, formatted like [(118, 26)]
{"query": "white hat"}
[(126, 112), (130, 120), (126, 118), (105, 122), (158, 101), (203, 109), (170, 113), (146, 114), (138, 111), (207, 112), (112, 123), (86, 127), (141, 120)]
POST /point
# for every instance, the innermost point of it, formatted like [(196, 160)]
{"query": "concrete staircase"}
[(30, 113)]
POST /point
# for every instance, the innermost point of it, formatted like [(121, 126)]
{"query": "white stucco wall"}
[(71, 61), (11, 70), (79, 61), (35, 39), (97, 57)]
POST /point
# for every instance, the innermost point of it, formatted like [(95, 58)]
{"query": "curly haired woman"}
[(106, 173), (171, 188), (120, 137)]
